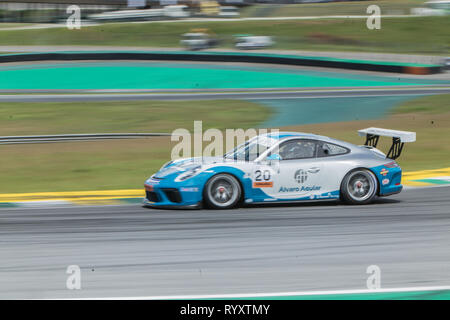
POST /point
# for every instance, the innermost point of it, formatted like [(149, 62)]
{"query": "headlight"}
[(188, 174)]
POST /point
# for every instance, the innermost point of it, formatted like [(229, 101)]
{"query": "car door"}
[(335, 164), (300, 174)]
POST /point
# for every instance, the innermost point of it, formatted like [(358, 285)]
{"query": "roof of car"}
[(288, 134)]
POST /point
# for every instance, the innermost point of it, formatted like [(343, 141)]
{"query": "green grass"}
[(338, 8), (13, 25), (121, 164), (421, 35), (108, 164), (428, 116), (430, 105), (130, 116)]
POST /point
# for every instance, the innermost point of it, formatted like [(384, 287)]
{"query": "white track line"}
[(275, 294)]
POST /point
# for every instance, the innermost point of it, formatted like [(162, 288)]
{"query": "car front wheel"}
[(359, 187), (222, 191)]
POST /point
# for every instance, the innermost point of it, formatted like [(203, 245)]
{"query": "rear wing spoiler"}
[(398, 139)]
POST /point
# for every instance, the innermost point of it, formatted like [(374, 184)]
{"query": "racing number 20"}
[(262, 175)]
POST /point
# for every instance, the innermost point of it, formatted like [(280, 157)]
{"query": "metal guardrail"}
[(76, 137)]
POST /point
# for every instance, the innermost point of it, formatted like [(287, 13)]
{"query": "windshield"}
[(251, 149)]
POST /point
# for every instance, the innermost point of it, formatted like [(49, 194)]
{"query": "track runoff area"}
[(311, 251)]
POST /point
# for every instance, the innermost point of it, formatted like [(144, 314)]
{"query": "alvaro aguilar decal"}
[(299, 189), (301, 176)]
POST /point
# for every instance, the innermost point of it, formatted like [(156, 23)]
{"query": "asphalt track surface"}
[(325, 93), (130, 251)]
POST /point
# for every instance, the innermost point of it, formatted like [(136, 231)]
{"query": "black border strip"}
[(217, 57)]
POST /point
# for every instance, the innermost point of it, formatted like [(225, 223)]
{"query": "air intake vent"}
[(152, 196), (173, 195)]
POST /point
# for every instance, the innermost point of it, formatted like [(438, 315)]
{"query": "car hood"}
[(179, 166)]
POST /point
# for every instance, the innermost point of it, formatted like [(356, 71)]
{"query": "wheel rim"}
[(223, 191), (361, 185)]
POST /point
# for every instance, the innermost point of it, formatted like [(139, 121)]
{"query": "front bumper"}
[(170, 194), (149, 204)]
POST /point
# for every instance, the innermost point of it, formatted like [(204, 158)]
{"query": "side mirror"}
[(273, 157)]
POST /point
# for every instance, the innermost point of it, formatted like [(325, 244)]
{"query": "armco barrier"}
[(327, 62), (76, 137)]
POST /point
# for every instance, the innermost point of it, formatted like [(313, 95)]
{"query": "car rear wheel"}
[(359, 187), (222, 191)]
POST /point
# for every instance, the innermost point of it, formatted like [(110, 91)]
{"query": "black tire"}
[(222, 191), (359, 186)]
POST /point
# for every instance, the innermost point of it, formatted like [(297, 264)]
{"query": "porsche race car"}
[(282, 167)]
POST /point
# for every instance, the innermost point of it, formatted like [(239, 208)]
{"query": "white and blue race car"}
[(282, 167)]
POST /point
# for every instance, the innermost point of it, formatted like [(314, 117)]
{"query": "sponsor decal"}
[(299, 189), (384, 172), (262, 178), (326, 196), (148, 187), (263, 184), (300, 176), (191, 189), (385, 182)]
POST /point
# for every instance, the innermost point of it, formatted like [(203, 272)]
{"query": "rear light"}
[(392, 164)]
